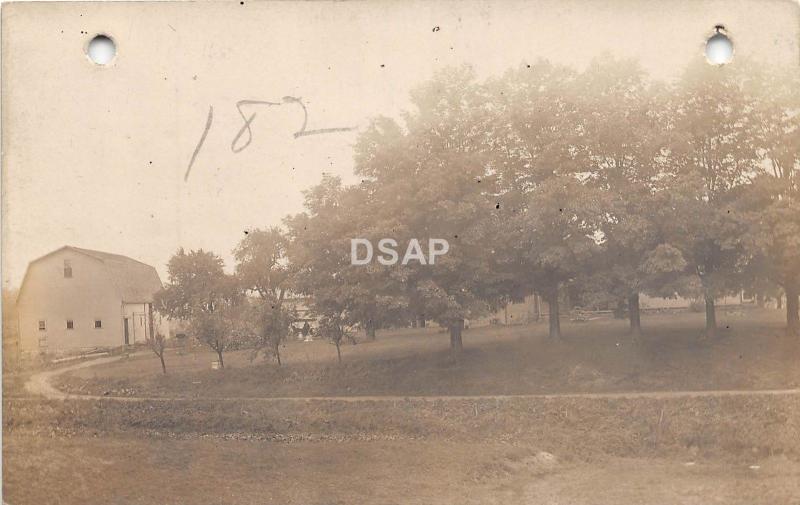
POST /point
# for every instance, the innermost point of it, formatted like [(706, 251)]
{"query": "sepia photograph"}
[(401, 253)]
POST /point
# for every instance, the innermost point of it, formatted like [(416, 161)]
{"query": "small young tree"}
[(262, 269), (219, 329), (156, 340), (332, 326), (271, 324)]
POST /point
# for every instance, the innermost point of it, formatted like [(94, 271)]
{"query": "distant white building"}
[(654, 303), (79, 299), (533, 308)]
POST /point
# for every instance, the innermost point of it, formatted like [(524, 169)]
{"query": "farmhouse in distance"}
[(79, 299)]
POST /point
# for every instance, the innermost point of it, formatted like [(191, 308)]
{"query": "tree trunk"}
[(221, 363), (711, 317), (779, 301), (456, 344), (421, 320), (537, 307), (619, 312), (555, 320), (760, 300), (635, 316), (792, 316), (369, 327), (278, 354), (163, 365), (338, 352)]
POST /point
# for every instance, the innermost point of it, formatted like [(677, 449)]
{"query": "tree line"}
[(601, 183)]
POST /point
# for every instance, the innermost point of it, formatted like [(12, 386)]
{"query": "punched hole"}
[(719, 47), (101, 50)]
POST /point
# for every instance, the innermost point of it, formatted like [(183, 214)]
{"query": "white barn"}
[(78, 299)]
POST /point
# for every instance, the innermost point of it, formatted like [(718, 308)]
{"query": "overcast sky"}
[(95, 157)]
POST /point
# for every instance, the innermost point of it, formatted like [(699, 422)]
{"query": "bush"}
[(697, 305)]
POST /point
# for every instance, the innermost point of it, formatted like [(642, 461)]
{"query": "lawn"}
[(132, 471), (218, 443), (595, 356)]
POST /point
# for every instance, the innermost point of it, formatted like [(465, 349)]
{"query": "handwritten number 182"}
[(244, 136)]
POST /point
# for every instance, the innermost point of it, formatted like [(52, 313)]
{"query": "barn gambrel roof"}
[(135, 281)]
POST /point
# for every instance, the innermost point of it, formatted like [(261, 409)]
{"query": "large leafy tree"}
[(429, 178), (772, 209), (554, 239), (625, 127), (713, 153), (320, 254), (551, 215), (775, 206), (261, 264)]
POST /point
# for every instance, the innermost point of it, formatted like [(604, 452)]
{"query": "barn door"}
[(139, 328)]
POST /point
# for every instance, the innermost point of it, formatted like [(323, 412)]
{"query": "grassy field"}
[(210, 471), (597, 356), (202, 449), (565, 451)]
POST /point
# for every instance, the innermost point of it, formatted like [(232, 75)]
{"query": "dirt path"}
[(39, 385)]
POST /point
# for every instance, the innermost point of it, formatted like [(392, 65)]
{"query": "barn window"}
[(98, 323), (67, 269), (70, 324), (42, 325)]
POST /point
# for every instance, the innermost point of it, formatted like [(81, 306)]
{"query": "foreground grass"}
[(732, 450), (597, 356), (205, 449), (132, 471), (737, 426)]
